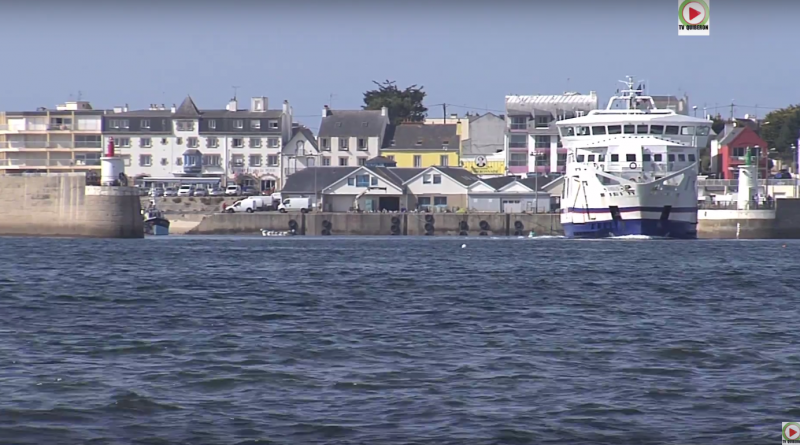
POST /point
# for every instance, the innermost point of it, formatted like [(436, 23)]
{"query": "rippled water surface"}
[(397, 340)]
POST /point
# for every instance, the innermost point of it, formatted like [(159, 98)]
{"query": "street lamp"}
[(694, 108)]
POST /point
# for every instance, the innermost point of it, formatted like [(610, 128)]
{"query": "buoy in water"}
[(463, 246)]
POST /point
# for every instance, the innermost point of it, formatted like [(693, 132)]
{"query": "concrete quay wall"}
[(782, 222), (62, 205), (411, 224), (191, 204)]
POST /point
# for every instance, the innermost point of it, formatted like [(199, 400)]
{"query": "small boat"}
[(265, 232), (155, 223)]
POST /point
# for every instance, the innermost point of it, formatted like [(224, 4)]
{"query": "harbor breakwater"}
[(780, 222), (409, 224), (61, 204)]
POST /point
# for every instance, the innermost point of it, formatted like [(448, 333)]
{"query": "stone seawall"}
[(62, 205), (782, 222), (189, 205), (411, 224)]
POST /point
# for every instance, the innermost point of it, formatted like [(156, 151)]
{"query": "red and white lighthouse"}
[(112, 168)]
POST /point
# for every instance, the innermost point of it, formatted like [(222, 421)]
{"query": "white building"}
[(189, 145), (347, 138), (65, 139)]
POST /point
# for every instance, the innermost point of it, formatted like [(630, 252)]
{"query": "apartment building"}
[(532, 140), (65, 139), (190, 145), (347, 138)]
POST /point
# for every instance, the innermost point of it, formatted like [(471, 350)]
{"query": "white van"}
[(233, 190), (248, 205), (295, 204), (186, 190)]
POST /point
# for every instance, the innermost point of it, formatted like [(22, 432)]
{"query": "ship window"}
[(629, 129), (687, 131), (692, 158), (671, 157), (682, 157), (656, 129), (646, 157), (567, 131), (580, 158), (590, 158), (657, 157), (599, 130), (703, 131), (582, 131), (671, 129), (630, 157), (614, 129), (615, 158), (642, 129), (601, 158)]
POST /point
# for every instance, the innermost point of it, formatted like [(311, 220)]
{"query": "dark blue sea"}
[(250, 340)]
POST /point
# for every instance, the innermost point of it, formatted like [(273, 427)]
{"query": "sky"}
[(469, 55)]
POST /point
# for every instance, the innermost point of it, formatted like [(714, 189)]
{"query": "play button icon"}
[(791, 431), (694, 12)]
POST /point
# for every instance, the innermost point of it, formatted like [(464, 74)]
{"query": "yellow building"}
[(423, 146)]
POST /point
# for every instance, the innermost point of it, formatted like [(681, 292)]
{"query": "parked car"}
[(216, 191), (233, 190), (186, 190), (169, 191), (155, 192), (200, 191), (249, 191)]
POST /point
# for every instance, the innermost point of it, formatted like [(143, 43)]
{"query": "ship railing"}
[(733, 205), (735, 182)]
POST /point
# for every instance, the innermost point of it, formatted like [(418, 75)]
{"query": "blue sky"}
[(467, 54)]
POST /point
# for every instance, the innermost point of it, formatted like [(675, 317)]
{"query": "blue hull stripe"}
[(632, 209), (645, 227)]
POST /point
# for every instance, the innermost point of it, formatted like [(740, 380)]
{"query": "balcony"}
[(60, 127), (44, 163), (44, 145)]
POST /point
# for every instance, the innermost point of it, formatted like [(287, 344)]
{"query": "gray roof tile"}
[(460, 175), (353, 123), (423, 137), (305, 180), (187, 108)]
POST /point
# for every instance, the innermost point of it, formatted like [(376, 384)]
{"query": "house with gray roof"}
[(374, 187), (187, 144), (350, 137), (417, 145)]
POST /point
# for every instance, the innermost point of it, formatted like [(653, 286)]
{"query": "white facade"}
[(348, 151), (360, 186)]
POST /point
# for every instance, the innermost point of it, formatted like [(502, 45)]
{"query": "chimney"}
[(258, 104), (593, 93), (163, 107), (326, 111), (454, 116), (174, 108), (232, 105), (384, 111), (125, 108), (285, 107)]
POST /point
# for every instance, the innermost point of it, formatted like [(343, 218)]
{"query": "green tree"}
[(781, 128), (717, 124), (403, 105)]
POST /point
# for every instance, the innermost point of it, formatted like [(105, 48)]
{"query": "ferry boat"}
[(631, 169), (155, 223)]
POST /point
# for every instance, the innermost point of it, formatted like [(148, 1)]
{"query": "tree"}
[(718, 124), (781, 129), (403, 105)]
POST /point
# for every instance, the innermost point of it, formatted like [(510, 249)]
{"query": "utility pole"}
[(444, 113), (732, 110)]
